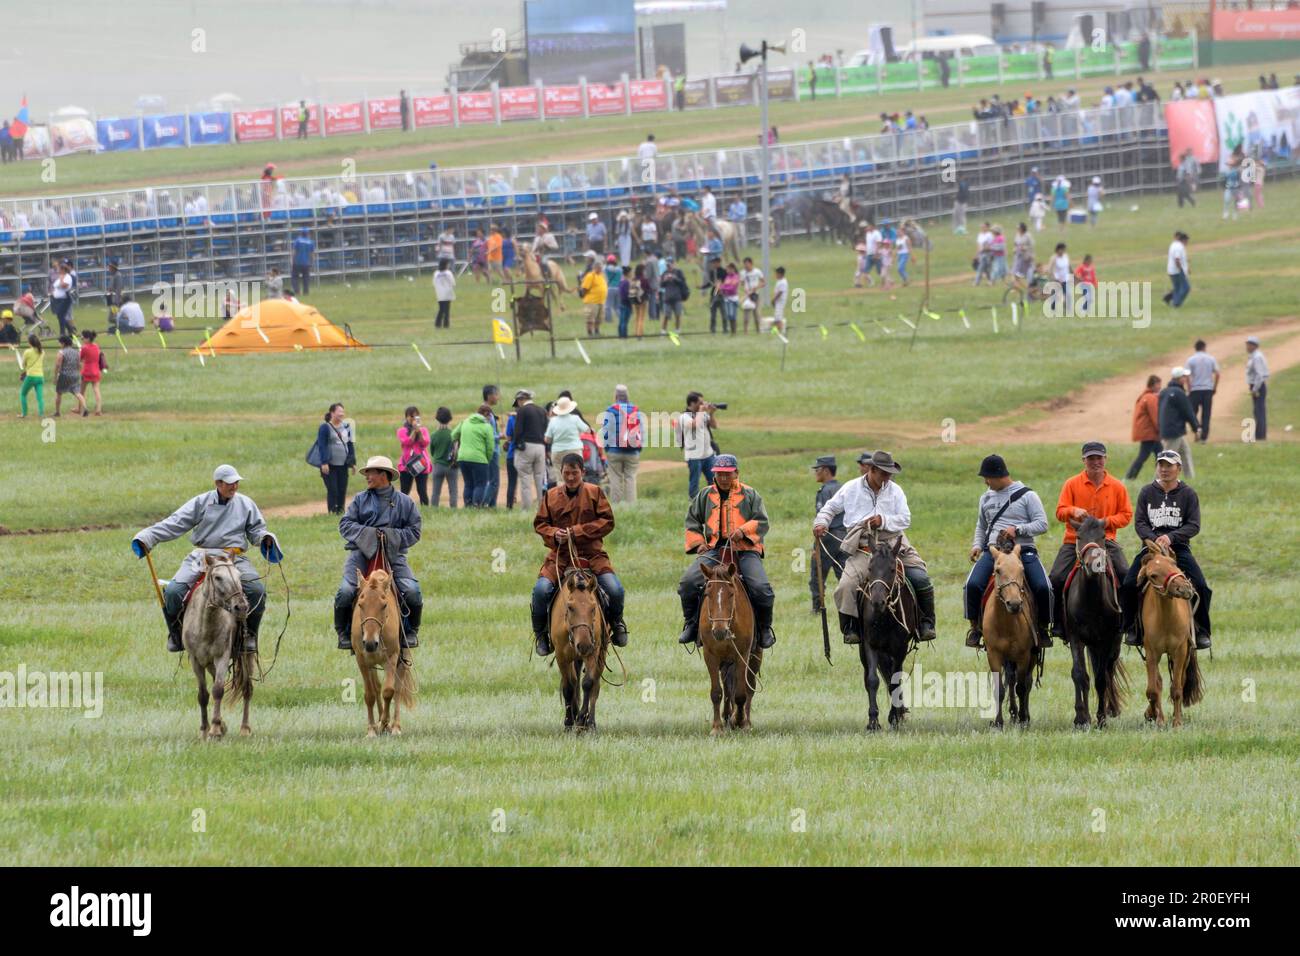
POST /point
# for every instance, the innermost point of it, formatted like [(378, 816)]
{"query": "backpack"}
[(591, 460), (630, 427)]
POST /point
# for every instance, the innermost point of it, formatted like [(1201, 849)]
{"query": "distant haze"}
[(103, 54)]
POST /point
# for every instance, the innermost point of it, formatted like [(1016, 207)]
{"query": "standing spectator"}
[(998, 247), (1146, 425), (1023, 264), (621, 429), (32, 376), (303, 116), (781, 296), (653, 275), (592, 290), (812, 80), (478, 263), (613, 278), (1144, 60), (752, 283), (1085, 279), (1061, 266), (1176, 416), (945, 70), (491, 397), (113, 293), (730, 298), (1189, 173), (1257, 382), (1204, 369), (1047, 62), (92, 369), (474, 447), (873, 239), (903, 249), (647, 152), (1180, 287), (274, 285), (649, 236), (508, 247), (1095, 192), (444, 287), (563, 432), (440, 454), (8, 331), (624, 300), (984, 254), (1038, 212), (67, 376), (303, 248), (638, 292), (713, 280), (823, 470), (959, 207), (675, 290), (415, 464), (695, 435), (530, 448), (404, 108), (1061, 200), (446, 248), (512, 473), (495, 260), (6, 143), (737, 213), (623, 237), (1033, 185), (336, 451), (61, 299), (595, 234)]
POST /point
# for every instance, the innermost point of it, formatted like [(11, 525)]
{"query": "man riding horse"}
[(575, 514), (875, 505), (1091, 492), (381, 508), (1168, 513), (222, 520), (727, 518), (1010, 510)]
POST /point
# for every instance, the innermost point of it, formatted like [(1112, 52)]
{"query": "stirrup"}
[(1131, 639), (542, 644), (974, 638), (618, 635)]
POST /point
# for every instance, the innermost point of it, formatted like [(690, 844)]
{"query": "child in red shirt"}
[(1085, 277)]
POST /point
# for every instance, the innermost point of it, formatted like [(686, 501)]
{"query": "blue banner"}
[(206, 128), (163, 130), (118, 134)]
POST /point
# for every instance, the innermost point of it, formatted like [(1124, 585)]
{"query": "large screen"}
[(572, 38)]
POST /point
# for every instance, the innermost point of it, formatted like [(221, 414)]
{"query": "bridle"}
[(236, 603), (723, 586), (1109, 594)]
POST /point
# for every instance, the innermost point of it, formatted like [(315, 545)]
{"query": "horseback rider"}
[(725, 517), (1091, 492), (1169, 513), (219, 520), (380, 508), (875, 503), (824, 471), (1008, 510), (575, 512)]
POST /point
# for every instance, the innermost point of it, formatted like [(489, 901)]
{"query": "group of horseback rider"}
[(726, 522)]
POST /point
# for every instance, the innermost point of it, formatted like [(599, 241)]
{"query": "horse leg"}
[(889, 669), (1153, 686), (727, 670), (1101, 679), (996, 669), (569, 694), (1009, 682), (202, 675), (715, 692), (395, 726), (1024, 678), (1177, 675), (1079, 672), (590, 687), (372, 694), (219, 673), (740, 687), (871, 679)]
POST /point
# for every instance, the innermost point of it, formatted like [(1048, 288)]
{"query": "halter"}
[(723, 584), (1109, 595), (236, 605), (1006, 584)]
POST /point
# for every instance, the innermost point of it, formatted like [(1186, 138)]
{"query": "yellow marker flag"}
[(420, 356), (825, 332), (906, 321), (857, 331), (208, 342), (201, 362), (934, 315), (161, 339), (297, 347), (583, 352), (502, 334), (961, 314), (994, 310), (1015, 315), (118, 333), (675, 340)]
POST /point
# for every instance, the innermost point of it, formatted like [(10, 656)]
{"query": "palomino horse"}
[(376, 642), (887, 614), (581, 640), (726, 231), (1167, 630), (1009, 636), (1092, 625), (730, 651), (534, 282), (212, 632)]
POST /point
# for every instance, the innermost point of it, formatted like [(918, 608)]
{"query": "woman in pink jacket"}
[(415, 464)]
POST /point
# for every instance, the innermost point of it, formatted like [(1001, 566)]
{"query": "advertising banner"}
[(163, 131), (385, 113), (118, 134), (1256, 24), (254, 126), (341, 118), (734, 90), (475, 107), (562, 101), (520, 103), (1191, 126), (211, 128), (1265, 124), (431, 110), (649, 95), (695, 94), (605, 99)]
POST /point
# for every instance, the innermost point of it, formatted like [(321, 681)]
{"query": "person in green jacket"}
[(472, 445)]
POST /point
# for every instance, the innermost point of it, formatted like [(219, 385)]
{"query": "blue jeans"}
[(545, 589), (624, 313), (1181, 289), (475, 476), (698, 467), (493, 479), (729, 310), (902, 265), (1035, 577)]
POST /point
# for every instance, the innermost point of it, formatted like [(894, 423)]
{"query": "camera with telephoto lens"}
[(719, 405)]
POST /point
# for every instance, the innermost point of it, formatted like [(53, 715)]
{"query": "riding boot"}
[(542, 640), (250, 639), (618, 633), (974, 637), (1202, 639), (763, 625), (691, 615), (925, 605), (849, 628), (411, 632), (174, 644), (343, 627)]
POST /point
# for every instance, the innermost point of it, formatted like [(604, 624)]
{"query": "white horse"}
[(211, 625)]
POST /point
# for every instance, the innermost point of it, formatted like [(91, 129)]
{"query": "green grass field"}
[(484, 773)]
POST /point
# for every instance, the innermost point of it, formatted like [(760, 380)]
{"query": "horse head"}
[(1090, 545), (1009, 578), (225, 590), (1162, 571), (372, 606), (720, 599), (581, 611), (882, 576)]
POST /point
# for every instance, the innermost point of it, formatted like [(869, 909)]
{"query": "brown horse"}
[(1009, 633), (726, 231), (731, 653), (1167, 630), (212, 634), (581, 639), (376, 642), (535, 284)]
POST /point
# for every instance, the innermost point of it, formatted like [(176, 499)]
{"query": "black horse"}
[(822, 215), (887, 615), (1093, 626)]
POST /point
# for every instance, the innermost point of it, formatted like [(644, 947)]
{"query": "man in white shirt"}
[(1257, 382), (780, 295), (1061, 265), (694, 433), (130, 317), (708, 206), (1177, 269), (752, 282), (646, 154), (874, 505), (873, 251), (1204, 369), (649, 235)]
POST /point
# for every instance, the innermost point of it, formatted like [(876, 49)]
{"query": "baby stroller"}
[(30, 311)]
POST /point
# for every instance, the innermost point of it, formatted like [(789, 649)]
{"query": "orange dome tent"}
[(277, 325)]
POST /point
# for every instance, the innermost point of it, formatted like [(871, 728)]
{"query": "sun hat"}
[(380, 463), (564, 406), (885, 462)]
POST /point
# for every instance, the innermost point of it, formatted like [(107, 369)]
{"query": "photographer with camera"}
[(695, 434)]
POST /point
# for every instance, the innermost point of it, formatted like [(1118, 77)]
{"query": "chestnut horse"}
[(1009, 637), (581, 640), (1167, 630), (731, 653), (376, 642), (212, 632)]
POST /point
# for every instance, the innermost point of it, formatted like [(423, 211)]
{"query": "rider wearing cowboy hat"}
[(222, 520), (727, 514), (381, 507), (874, 503), (1169, 513), (577, 512)]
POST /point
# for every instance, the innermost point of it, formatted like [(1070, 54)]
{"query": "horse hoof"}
[(245, 731), (715, 732), (873, 725), (395, 730), (371, 733)]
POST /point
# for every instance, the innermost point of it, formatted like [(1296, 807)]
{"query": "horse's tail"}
[(239, 683), (407, 686), (1116, 685), (1193, 682)]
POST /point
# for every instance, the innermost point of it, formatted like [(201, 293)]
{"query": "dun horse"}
[(887, 614), (1167, 631), (212, 632), (1009, 636), (581, 640), (1092, 626), (731, 653), (376, 642)]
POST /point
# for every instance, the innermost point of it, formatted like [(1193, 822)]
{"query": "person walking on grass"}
[(1061, 201), (67, 376), (1257, 382), (444, 287), (439, 453), (613, 278), (1176, 267), (1146, 425), (1095, 192), (1204, 369), (415, 464), (752, 283), (32, 376), (1176, 416), (93, 368)]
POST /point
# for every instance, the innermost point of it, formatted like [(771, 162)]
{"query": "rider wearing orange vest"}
[(727, 514)]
